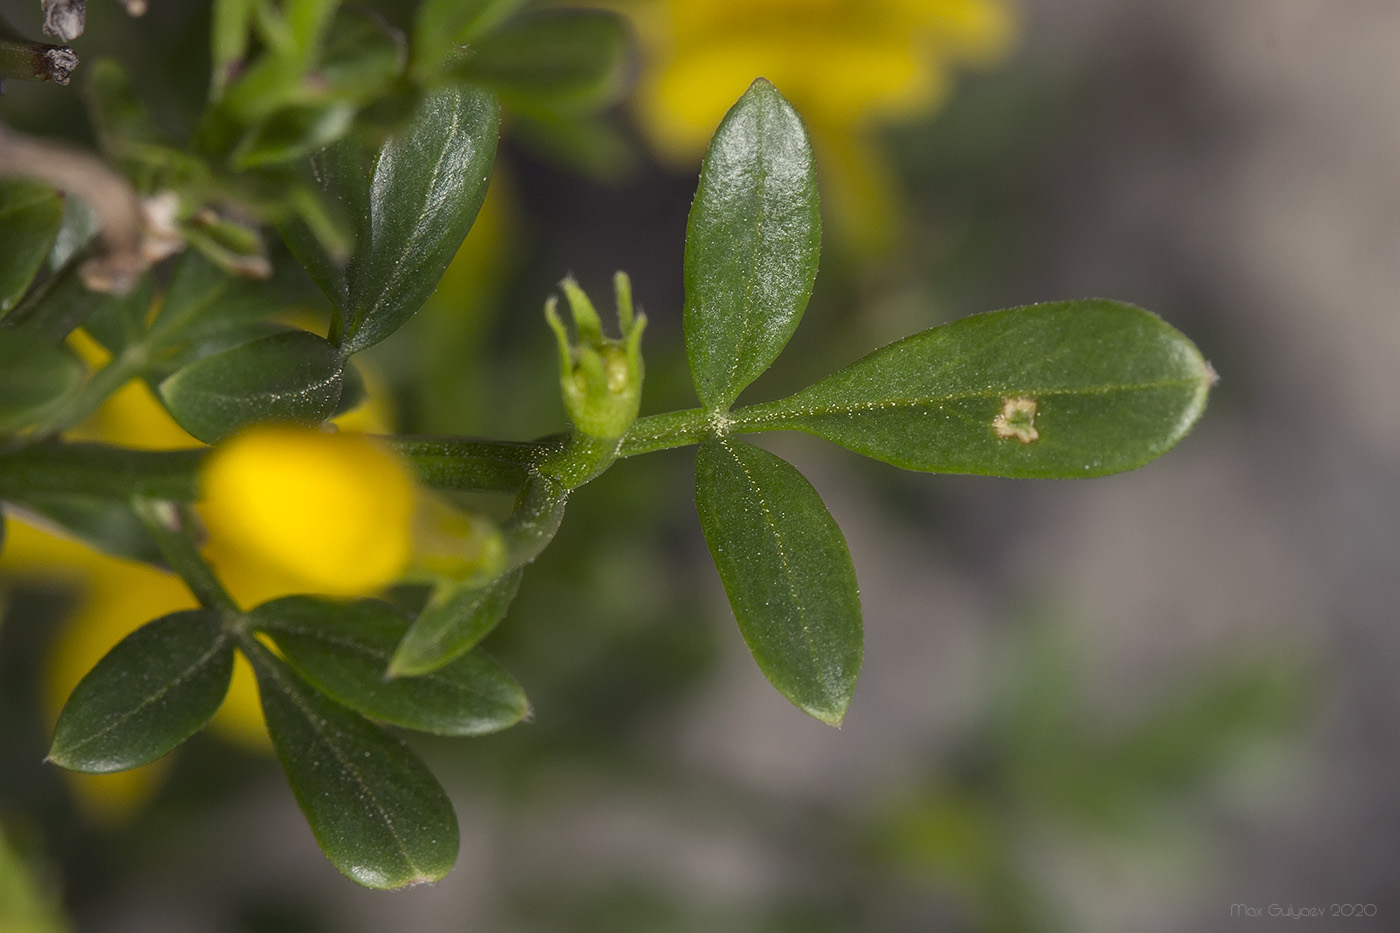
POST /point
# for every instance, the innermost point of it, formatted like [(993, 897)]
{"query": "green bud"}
[(600, 377)]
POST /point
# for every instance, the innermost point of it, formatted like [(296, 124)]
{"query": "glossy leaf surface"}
[(787, 572), (30, 216), (751, 246), (155, 689), (1063, 389), (425, 189), (35, 376), (375, 809), (344, 650), (452, 625), (293, 376)]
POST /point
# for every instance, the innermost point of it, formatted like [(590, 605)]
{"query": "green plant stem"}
[(672, 429), (120, 370), (473, 464), (100, 470), (170, 523)]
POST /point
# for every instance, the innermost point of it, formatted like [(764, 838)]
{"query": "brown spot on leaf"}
[(1016, 421)]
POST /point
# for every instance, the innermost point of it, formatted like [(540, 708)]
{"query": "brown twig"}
[(132, 234)]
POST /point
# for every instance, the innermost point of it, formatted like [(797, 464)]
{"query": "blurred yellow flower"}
[(304, 511), (846, 65)]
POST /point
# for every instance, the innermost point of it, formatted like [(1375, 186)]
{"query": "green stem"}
[(537, 516), (672, 429), (120, 370), (472, 464), (101, 470), (169, 523)]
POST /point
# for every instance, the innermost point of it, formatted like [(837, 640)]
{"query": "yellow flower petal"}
[(323, 512)]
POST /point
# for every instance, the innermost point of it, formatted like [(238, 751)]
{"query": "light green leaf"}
[(452, 624), (425, 189), (156, 688), (751, 246), (1064, 389), (788, 574), (294, 377), (30, 216), (375, 809), (553, 59), (35, 377), (343, 649)]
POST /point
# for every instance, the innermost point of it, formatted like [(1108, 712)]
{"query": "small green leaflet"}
[(375, 809), (343, 649), (452, 624), (294, 376), (1063, 389), (155, 689), (787, 572), (751, 246)]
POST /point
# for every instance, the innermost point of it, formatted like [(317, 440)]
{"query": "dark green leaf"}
[(334, 207), (344, 649), (156, 688), (788, 574), (291, 133), (443, 25), (35, 376), (427, 185), (115, 321), (553, 59), (109, 525), (30, 216), (452, 623), (80, 225), (751, 246), (362, 55), (375, 809), (286, 377), (204, 300), (1064, 389)]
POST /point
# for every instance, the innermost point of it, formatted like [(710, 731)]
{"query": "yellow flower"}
[(297, 510), (846, 65)]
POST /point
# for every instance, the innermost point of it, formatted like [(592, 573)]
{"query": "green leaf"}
[(751, 246), (156, 688), (115, 321), (425, 189), (554, 59), (204, 301), (452, 624), (30, 216), (335, 210), (1064, 389), (107, 524), (788, 574), (443, 25), (291, 133), (35, 377), (375, 809), (294, 377), (343, 649)]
